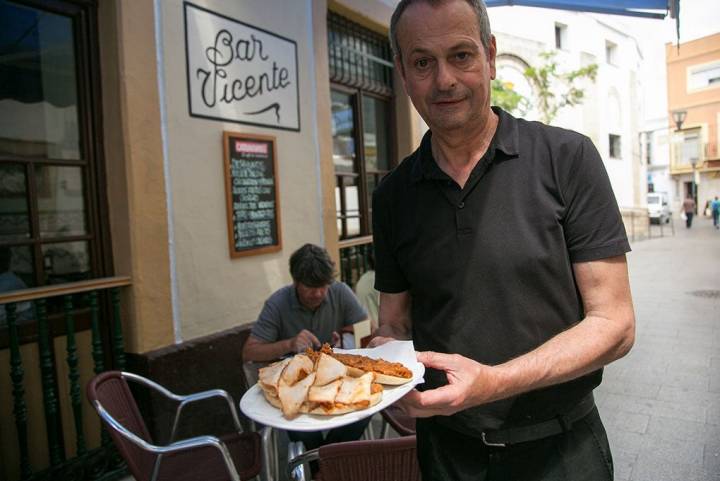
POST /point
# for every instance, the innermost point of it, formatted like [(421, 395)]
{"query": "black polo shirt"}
[(489, 266)]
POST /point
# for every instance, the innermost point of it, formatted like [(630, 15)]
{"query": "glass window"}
[(61, 200), (47, 235), (361, 75), (14, 217), (560, 36), (38, 85), (610, 53), (614, 146), (704, 76), (66, 262), (376, 130), (343, 131)]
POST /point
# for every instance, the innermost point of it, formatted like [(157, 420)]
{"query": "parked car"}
[(658, 207)]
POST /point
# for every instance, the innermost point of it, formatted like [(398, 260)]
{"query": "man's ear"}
[(492, 52), (400, 68)]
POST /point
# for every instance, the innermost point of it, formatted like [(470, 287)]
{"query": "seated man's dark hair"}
[(312, 266)]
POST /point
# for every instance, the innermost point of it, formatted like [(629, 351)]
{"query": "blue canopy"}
[(635, 8)]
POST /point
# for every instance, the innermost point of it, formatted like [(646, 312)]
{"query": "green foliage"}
[(504, 96), (546, 79)]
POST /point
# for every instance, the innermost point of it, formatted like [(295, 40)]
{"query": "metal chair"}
[(377, 460), (232, 457)]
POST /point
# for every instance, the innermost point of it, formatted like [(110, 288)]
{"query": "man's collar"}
[(505, 140)]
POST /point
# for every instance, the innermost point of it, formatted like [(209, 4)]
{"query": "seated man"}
[(307, 313)]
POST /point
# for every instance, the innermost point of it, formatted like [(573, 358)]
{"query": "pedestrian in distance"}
[(715, 209), (688, 207), (514, 310)]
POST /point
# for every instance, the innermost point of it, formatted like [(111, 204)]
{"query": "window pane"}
[(348, 193), (14, 218), (38, 90), (343, 130), (61, 200), (66, 262), (16, 272), (375, 130)]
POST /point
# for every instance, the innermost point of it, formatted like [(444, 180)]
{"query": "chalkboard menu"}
[(253, 212)]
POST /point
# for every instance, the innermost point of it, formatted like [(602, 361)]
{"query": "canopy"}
[(635, 8)]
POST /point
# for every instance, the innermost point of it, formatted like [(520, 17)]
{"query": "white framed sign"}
[(240, 73)]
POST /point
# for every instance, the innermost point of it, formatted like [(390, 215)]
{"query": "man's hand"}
[(469, 384), (379, 341), (303, 340)]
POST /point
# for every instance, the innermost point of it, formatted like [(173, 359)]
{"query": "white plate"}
[(256, 407)]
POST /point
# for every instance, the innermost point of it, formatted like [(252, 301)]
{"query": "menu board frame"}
[(231, 221)]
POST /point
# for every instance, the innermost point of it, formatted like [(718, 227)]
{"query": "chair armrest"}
[(190, 398), (195, 442), (306, 457), (183, 400)]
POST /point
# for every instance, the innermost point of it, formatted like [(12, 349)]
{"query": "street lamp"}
[(679, 118)]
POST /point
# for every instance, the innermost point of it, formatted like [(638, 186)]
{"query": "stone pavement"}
[(661, 403)]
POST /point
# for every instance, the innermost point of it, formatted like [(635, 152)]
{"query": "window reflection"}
[(343, 128), (66, 262), (61, 202), (16, 273), (38, 95), (14, 218), (375, 128)]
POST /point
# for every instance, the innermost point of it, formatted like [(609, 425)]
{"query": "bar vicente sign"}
[(240, 73)]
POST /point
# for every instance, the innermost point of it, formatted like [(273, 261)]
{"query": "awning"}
[(633, 8)]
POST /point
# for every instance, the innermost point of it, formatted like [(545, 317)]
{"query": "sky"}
[(698, 18)]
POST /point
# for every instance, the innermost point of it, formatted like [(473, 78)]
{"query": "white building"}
[(611, 114)]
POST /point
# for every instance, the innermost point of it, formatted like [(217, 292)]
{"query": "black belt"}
[(533, 432)]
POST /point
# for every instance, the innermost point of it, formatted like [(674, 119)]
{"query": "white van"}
[(658, 207)]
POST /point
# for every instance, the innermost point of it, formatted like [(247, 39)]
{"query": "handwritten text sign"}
[(240, 73), (253, 213)]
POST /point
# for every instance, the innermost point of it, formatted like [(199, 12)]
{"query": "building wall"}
[(611, 104), (204, 290), (703, 112)]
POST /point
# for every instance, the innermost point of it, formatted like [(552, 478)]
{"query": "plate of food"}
[(329, 388)]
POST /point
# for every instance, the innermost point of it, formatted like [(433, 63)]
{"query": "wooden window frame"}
[(84, 18)]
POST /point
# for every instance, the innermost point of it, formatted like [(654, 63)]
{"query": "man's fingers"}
[(436, 360)]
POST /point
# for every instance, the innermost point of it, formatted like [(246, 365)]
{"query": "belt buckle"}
[(492, 445)]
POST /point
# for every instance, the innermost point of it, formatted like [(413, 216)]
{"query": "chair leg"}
[(385, 429), (369, 433), (269, 448), (302, 472)]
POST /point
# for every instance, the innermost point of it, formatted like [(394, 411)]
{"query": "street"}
[(661, 403)]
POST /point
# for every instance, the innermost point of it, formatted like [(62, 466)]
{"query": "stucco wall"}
[(215, 292)]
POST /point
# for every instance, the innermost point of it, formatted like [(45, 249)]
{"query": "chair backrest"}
[(376, 460), (110, 392), (403, 424)]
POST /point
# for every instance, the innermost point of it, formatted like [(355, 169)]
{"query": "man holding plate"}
[(500, 251)]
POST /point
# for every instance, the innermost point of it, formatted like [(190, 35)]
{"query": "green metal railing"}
[(355, 257), (99, 300)]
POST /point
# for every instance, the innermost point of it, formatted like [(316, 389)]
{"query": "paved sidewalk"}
[(661, 403)]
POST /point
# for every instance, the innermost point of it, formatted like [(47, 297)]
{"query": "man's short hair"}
[(312, 266), (477, 5)]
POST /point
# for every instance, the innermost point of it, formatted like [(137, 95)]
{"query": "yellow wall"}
[(33, 395), (135, 176)]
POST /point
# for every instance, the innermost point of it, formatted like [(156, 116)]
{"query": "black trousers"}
[(688, 219), (315, 439), (580, 454)]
